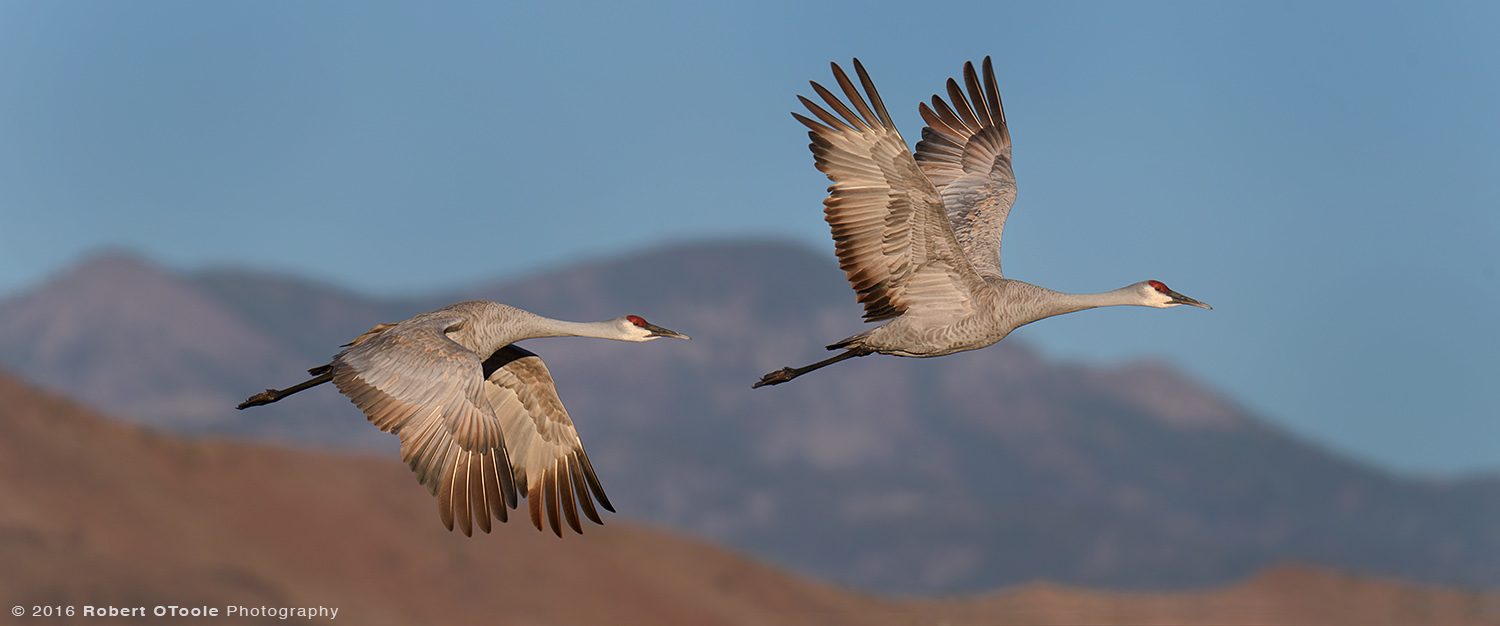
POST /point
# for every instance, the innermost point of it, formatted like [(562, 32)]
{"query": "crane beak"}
[(1178, 298), (657, 331)]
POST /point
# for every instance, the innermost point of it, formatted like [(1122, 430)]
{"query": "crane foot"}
[(265, 397), (787, 373), (271, 395), (777, 377)]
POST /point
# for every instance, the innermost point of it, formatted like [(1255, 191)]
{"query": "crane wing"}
[(965, 152), (890, 230), (545, 452), (412, 380)]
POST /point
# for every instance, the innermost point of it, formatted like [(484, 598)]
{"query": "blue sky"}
[(1324, 174)]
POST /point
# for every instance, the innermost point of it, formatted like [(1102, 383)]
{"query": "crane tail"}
[(787, 373), (271, 395)]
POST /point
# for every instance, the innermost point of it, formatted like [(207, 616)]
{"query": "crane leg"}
[(271, 395), (787, 373)]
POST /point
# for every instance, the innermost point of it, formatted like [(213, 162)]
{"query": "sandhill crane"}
[(475, 414), (918, 236)]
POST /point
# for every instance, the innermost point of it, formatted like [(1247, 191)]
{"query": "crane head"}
[(636, 328), (1158, 294)]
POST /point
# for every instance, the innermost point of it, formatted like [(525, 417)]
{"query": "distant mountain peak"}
[(1162, 392), (107, 267), (123, 333)]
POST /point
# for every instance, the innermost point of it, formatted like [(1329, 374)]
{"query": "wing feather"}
[(542, 440), (478, 507), (534, 503), (966, 153), (962, 108), (549, 491), (411, 379), (826, 117), (593, 482), (446, 510), (493, 497), (886, 218), (579, 487), (565, 495), (459, 493)]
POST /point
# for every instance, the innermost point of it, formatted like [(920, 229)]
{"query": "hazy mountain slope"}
[(120, 333), (310, 317), (123, 334), (959, 473), (102, 514)]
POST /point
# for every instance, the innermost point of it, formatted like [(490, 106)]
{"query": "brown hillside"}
[(93, 512), (1283, 595)]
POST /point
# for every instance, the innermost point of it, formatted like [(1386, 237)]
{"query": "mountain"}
[(101, 514), (120, 333), (957, 474)]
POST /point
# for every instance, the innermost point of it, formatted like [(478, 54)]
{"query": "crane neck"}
[(1059, 303), (548, 327), (494, 326)]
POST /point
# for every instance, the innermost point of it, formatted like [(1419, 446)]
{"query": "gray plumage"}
[(918, 234), (477, 417)]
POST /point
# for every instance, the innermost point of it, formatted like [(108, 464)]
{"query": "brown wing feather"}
[(887, 219), (580, 488), (411, 380), (545, 452), (966, 153), (457, 490)]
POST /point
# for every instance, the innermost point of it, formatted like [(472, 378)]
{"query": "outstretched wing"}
[(965, 152), (890, 230), (412, 380), (545, 452)]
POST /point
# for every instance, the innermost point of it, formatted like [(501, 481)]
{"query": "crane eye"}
[(637, 320), (1159, 286)]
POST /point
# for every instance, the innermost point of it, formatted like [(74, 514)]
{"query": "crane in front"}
[(918, 235)]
